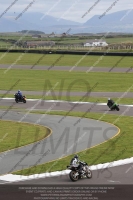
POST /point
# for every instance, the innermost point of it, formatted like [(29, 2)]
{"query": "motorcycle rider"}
[(75, 161), (110, 102), (19, 94)]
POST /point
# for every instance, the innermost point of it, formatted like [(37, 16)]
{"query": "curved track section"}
[(67, 137)]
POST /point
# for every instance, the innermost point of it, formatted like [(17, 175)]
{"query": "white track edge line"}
[(73, 102), (16, 178)]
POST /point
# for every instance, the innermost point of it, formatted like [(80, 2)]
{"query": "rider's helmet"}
[(76, 156), (18, 91), (108, 99)]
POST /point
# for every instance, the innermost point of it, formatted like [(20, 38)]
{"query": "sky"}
[(74, 10)]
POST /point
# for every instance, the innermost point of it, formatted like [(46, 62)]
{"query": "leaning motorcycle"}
[(74, 173), (115, 106), (17, 99)]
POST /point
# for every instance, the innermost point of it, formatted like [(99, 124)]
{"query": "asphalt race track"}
[(67, 138), (58, 145), (69, 68), (113, 175), (65, 106)]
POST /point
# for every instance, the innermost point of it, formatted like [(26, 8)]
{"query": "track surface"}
[(65, 106), (70, 68), (66, 139), (113, 175)]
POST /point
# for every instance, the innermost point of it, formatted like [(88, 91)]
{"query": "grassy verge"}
[(12, 108), (120, 147), (27, 133), (77, 98), (65, 60), (39, 80)]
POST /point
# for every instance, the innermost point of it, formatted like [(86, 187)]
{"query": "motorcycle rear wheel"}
[(73, 177)]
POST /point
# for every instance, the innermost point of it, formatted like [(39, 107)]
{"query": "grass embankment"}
[(65, 60), (120, 147), (15, 134), (39, 80)]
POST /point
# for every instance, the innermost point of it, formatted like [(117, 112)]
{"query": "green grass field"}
[(4, 44), (108, 40), (39, 80), (65, 60), (120, 147), (27, 133), (69, 40), (119, 40)]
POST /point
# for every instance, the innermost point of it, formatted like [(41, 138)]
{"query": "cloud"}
[(9, 17)]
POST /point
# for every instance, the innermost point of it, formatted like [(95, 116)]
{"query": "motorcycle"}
[(74, 174), (115, 106), (17, 99)]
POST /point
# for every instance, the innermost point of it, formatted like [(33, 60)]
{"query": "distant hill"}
[(121, 21), (32, 21), (117, 18)]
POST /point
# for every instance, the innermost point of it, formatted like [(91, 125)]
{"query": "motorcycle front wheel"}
[(88, 173), (73, 176), (117, 108)]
